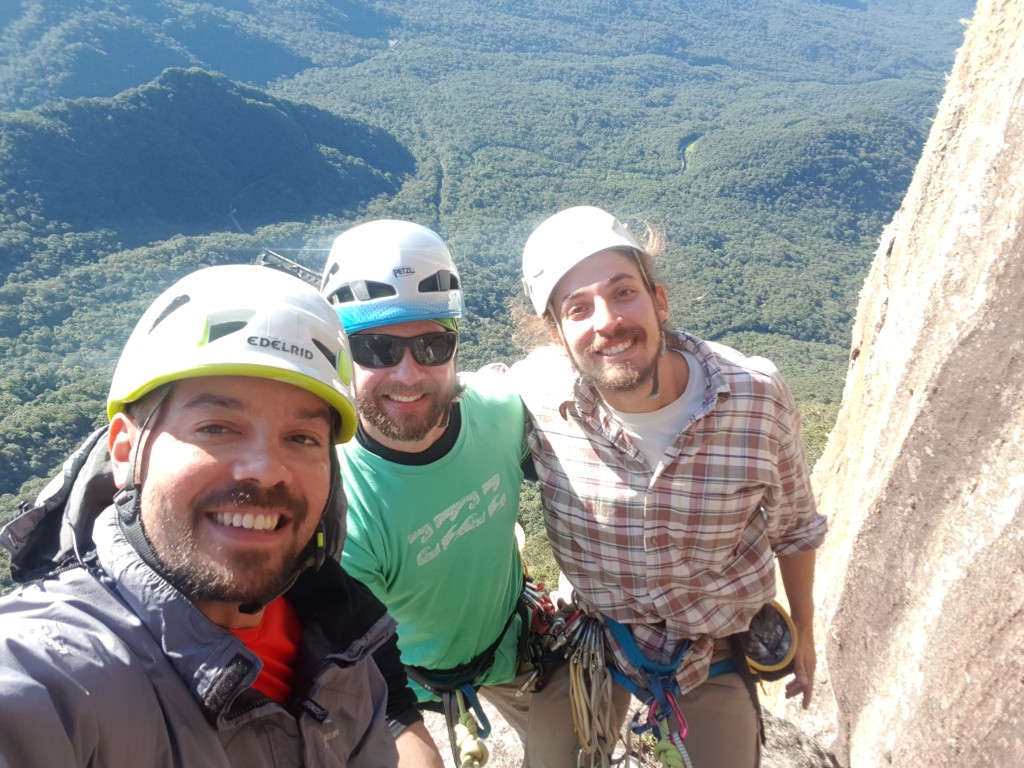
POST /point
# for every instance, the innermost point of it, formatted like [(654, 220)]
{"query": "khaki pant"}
[(723, 725)]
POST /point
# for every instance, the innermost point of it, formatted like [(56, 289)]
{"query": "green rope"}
[(668, 754), (472, 750)]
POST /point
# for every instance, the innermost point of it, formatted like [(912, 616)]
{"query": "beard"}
[(407, 427), (206, 582), (232, 577), (617, 377)]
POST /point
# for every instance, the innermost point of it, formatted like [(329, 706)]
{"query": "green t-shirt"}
[(436, 542)]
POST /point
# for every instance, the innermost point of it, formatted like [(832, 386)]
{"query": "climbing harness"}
[(540, 643), (654, 684), (658, 693), (456, 687), (461, 707), (554, 635)]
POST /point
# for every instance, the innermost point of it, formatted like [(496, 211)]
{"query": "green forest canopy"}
[(770, 142)]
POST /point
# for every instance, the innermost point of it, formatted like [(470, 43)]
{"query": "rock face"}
[(921, 582)]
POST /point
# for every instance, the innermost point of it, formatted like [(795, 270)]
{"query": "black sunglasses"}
[(379, 350)]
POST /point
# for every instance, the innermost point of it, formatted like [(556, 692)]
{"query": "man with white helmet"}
[(673, 469), (433, 479), (182, 604)]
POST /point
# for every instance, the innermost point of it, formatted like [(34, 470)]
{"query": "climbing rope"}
[(472, 749), (590, 694), (590, 686)]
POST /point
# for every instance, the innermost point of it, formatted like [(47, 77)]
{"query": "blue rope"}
[(474, 704)]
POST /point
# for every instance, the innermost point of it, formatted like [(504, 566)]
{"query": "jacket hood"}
[(57, 529)]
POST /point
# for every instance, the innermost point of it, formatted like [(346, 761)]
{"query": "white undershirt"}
[(654, 431)]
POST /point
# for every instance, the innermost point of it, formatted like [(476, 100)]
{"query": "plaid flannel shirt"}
[(681, 551)]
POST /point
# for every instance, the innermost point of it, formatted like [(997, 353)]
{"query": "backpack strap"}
[(57, 528)]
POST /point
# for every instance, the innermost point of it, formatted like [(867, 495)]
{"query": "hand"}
[(416, 748), (804, 663)]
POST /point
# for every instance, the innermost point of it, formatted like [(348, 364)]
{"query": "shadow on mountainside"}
[(190, 153)]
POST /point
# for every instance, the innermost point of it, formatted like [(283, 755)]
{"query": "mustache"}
[(253, 496)]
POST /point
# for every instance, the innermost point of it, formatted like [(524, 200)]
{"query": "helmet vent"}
[(362, 290), (326, 352), (441, 281), (220, 330), (177, 303)]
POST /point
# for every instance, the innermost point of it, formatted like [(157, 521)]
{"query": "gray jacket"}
[(104, 664)]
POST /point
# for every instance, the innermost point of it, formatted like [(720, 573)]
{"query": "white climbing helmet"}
[(564, 240), (239, 320), (389, 271)]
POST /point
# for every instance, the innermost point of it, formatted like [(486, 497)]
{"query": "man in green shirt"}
[(433, 481)]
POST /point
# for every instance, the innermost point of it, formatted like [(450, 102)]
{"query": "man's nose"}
[(605, 317), (263, 462), (407, 370)]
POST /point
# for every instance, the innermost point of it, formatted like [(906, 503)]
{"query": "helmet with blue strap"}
[(391, 271)]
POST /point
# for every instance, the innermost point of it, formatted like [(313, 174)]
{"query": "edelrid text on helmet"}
[(239, 320), (389, 271), (564, 240)]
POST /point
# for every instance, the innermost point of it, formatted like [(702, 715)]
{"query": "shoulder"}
[(739, 368), (491, 389), (545, 378), (357, 622), (489, 383), (58, 617), (549, 360), (752, 384)]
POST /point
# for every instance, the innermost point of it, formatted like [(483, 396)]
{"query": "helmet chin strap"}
[(446, 417), (655, 381), (128, 500)]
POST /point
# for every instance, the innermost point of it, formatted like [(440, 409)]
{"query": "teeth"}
[(617, 348), (405, 398), (249, 521)]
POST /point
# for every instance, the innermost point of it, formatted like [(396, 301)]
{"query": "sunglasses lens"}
[(378, 350), (375, 350), (434, 348)]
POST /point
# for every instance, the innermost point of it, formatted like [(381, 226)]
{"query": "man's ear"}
[(661, 303), (120, 440)]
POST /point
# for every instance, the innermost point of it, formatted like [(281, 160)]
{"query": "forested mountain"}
[(140, 139), (182, 154)]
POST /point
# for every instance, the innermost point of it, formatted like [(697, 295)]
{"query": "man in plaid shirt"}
[(673, 473)]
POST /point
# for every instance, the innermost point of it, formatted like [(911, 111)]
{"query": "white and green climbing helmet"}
[(390, 271), (239, 320)]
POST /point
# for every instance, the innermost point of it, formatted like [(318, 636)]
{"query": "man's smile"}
[(261, 521)]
